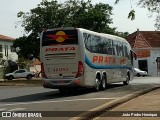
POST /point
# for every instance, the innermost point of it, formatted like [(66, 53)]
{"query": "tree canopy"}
[(153, 6), (72, 13), (28, 46)]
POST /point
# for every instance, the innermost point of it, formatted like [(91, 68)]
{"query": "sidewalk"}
[(1, 79), (21, 82), (140, 106)]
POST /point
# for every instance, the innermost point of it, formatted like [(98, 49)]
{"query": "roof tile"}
[(152, 37), (6, 38)]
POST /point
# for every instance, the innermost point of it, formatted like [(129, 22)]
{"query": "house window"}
[(6, 50), (12, 48), (1, 48)]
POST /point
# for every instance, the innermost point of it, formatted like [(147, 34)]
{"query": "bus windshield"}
[(59, 37)]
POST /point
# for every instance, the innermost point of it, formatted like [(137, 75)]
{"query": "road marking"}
[(17, 109), (58, 101)]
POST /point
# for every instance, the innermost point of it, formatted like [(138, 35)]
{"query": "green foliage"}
[(28, 46), (158, 22), (51, 14), (20, 14), (153, 6), (72, 13), (12, 66), (2, 72), (117, 1), (24, 63), (122, 34), (131, 15)]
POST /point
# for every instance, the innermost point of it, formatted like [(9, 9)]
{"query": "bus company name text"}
[(60, 49), (107, 59)]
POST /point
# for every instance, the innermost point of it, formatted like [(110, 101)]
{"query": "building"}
[(36, 67), (146, 45), (7, 52)]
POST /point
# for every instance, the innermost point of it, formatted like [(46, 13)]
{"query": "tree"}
[(122, 34), (88, 16), (72, 13), (153, 6), (27, 46)]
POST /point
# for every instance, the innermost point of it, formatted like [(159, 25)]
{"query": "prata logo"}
[(60, 36), (60, 49)]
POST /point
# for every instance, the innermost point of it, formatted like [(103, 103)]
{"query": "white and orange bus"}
[(76, 57)]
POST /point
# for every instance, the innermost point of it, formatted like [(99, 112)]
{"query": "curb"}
[(95, 112), (35, 82)]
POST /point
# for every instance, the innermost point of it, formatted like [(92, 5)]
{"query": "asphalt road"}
[(51, 103)]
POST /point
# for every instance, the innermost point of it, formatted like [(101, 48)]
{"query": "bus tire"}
[(97, 85), (103, 83), (127, 79), (62, 90)]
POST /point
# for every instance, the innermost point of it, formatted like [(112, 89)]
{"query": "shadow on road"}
[(54, 94)]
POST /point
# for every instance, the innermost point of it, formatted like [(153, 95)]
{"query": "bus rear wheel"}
[(97, 85), (62, 90), (103, 83)]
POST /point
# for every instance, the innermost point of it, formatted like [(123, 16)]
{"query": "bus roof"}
[(117, 38), (113, 37)]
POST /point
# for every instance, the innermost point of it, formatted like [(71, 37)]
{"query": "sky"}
[(9, 25)]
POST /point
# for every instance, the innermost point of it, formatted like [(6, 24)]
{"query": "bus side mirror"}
[(135, 56)]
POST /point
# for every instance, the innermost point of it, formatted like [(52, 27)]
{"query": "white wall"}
[(152, 64), (11, 55)]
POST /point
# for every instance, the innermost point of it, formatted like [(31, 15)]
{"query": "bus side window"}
[(110, 51), (113, 48), (126, 51)]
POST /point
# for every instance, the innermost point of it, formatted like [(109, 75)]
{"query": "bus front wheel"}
[(127, 80)]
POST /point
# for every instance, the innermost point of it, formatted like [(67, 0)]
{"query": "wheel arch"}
[(98, 75), (104, 74), (12, 76)]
